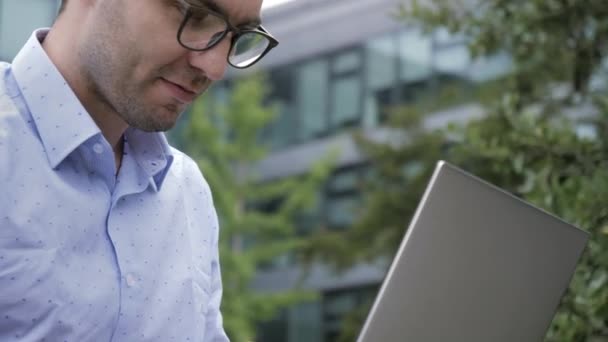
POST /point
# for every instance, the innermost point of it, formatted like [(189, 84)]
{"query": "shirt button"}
[(131, 281), (98, 148)]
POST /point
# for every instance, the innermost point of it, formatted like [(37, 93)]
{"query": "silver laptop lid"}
[(477, 264)]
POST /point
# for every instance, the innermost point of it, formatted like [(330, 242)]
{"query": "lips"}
[(179, 92)]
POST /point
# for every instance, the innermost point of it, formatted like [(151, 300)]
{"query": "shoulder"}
[(12, 125), (189, 173), (193, 187), (4, 67), (5, 95), (9, 93), (17, 137)]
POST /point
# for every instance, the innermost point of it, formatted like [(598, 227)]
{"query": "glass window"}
[(346, 62), (342, 210), (415, 52), (452, 60), (305, 322), (417, 93), (344, 181), (345, 89), (18, 19), (275, 330), (311, 92), (336, 307), (339, 304), (282, 130), (346, 95), (309, 219), (443, 36), (382, 56), (491, 67), (343, 199)]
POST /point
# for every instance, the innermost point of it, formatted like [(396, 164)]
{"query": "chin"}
[(152, 127), (161, 119)]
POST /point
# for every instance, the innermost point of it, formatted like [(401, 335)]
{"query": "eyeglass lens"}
[(248, 48), (203, 30)]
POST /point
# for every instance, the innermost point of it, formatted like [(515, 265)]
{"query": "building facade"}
[(339, 66)]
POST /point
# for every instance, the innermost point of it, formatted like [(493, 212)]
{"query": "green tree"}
[(224, 139), (398, 174), (527, 142)]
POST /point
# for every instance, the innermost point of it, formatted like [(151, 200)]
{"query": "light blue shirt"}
[(88, 255)]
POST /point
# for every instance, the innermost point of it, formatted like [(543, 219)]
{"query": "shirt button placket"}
[(131, 280), (98, 148)]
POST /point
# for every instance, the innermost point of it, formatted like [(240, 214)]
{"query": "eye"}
[(198, 17), (179, 6)]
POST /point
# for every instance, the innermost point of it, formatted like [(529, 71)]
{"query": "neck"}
[(62, 48)]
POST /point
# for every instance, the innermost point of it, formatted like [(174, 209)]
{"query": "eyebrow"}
[(213, 5)]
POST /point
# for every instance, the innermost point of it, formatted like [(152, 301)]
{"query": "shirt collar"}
[(152, 152), (61, 120)]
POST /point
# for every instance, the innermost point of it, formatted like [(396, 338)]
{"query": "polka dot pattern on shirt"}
[(103, 257)]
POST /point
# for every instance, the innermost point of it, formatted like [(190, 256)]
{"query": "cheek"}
[(156, 57), (157, 37), (153, 50)]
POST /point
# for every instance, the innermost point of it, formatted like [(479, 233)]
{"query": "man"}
[(106, 232)]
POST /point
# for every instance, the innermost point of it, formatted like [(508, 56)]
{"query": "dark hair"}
[(63, 4)]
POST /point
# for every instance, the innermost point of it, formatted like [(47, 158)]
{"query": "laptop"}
[(476, 265)]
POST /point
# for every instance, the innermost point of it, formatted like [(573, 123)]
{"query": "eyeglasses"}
[(202, 29)]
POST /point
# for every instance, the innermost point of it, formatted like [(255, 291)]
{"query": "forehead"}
[(238, 11)]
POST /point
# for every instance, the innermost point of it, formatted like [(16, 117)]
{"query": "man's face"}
[(133, 63)]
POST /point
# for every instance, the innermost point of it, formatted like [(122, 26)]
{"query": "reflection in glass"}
[(282, 131), (342, 210), (453, 60), (344, 181), (489, 68), (346, 95), (381, 68), (283, 127), (415, 51), (305, 322), (311, 98), (381, 75), (346, 62)]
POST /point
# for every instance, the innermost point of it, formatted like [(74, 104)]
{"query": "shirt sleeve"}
[(214, 330)]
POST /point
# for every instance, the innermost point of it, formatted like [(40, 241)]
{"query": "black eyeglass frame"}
[(273, 42)]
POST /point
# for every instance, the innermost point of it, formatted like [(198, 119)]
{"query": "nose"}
[(212, 62)]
